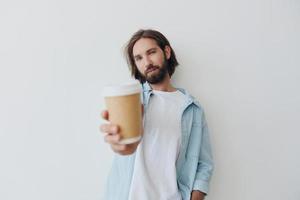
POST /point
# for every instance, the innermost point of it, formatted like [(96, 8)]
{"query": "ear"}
[(168, 52)]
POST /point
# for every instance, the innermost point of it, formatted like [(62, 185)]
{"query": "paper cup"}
[(124, 107)]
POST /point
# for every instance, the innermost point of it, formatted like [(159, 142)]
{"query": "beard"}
[(158, 75)]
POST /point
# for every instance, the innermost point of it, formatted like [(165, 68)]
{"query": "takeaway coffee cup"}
[(124, 107)]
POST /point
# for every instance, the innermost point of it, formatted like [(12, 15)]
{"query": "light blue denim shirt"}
[(194, 166)]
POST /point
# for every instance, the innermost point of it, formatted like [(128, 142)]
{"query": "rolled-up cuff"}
[(201, 185)]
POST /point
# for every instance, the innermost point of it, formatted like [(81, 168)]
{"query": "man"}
[(173, 160)]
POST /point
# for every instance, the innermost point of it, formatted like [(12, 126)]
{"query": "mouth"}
[(151, 69)]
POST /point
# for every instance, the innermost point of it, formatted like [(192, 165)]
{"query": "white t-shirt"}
[(154, 175)]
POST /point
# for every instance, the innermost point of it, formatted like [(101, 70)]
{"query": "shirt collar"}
[(189, 98)]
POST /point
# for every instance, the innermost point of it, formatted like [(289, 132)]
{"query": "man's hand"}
[(197, 195), (112, 136)]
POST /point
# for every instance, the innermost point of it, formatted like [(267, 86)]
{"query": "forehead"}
[(144, 44)]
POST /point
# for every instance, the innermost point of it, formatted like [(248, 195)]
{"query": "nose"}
[(147, 61)]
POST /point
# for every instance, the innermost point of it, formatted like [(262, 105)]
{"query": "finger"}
[(112, 139), (109, 128), (119, 147), (104, 114)]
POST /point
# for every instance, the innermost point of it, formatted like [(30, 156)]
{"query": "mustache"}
[(150, 68)]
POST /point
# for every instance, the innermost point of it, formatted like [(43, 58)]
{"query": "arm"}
[(205, 163)]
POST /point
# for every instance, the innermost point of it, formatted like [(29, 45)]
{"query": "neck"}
[(164, 85)]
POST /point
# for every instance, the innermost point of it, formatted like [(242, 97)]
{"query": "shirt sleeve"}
[(205, 163)]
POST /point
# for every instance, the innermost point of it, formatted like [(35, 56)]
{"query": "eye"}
[(137, 58)]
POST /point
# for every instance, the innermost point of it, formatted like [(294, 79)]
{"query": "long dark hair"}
[(161, 41)]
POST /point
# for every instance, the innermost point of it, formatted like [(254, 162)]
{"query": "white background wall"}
[(241, 59)]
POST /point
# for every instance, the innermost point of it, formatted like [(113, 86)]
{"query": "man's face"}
[(151, 60)]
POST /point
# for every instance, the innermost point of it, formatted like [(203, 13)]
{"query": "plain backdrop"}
[(239, 58)]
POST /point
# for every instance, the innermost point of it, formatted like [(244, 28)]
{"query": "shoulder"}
[(195, 107), (195, 102)]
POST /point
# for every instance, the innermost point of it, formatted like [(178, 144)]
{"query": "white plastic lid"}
[(122, 89)]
